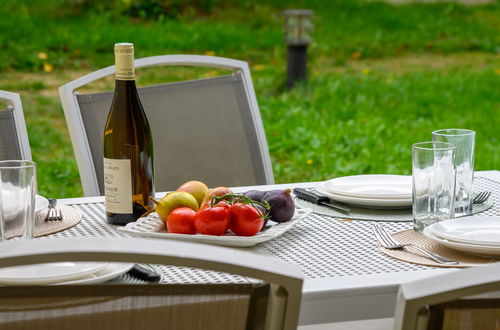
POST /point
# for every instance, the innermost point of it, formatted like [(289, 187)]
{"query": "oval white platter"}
[(152, 226)]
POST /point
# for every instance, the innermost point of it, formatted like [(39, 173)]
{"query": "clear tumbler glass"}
[(17, 199), (464, 163), (433, 174)]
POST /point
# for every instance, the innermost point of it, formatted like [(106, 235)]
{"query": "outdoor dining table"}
[(345, 276)]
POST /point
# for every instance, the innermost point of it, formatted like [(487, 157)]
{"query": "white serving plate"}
[(374, 203), (483, 250), (475, 229), (384, 186), (152, 226), (112, 270), (48, 273), (41, 203)]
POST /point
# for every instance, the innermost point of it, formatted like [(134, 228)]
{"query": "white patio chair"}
[(466, 299), (208, 129), (271, 303), (14, 143)]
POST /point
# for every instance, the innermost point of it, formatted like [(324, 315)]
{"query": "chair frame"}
[(286, 279), (14, 100), (414, 297), (77, 130)]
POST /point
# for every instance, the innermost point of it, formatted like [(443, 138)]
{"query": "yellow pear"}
[(172, 201), (196, 188)]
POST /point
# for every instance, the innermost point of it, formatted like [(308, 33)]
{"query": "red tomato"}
[(219, 204), (181, 221), (212, 220), (223, 204), (245, 220)]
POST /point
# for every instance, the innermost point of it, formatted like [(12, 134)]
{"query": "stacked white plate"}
[(474, 234), (370, 191), (62, 273)]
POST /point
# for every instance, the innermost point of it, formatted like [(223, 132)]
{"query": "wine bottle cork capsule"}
[(124, 61)]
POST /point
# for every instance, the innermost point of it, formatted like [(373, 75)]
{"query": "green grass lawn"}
[(381, 77)]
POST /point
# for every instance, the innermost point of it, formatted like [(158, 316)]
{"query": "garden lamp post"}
[(298, 27)]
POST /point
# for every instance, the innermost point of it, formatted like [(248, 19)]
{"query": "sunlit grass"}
[(381, 77)]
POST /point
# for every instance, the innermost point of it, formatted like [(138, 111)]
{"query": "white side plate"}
[(114, 269), (375, 203), (48, 273), (482, 250), (476, 229), (41, 203), (385, 186), (152, 226)]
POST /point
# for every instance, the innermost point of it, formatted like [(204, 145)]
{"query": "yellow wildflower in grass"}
[(366, 71), (42, 55), (211, 73), (47, 67), (497, 71), (309, 161), (209, 53), (258, 67)]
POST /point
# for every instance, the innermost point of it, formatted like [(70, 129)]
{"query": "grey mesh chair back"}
[(464, 299), (271, 300), (208, 129), (14, 143)]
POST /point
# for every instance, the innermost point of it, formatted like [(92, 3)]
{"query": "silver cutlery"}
[(320, 200), (388, 242), (481, 197), (54, 213), (144, 274)]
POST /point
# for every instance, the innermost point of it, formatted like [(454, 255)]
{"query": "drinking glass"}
[(17, 199), (464, 163), (433, 174)]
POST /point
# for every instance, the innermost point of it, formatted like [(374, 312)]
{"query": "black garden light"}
[(298, 27)]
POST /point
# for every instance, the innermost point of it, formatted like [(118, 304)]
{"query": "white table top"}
[(343, 296)]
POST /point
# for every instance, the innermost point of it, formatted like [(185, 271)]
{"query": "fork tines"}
[(381, 235), (481, 197), (54, 214)]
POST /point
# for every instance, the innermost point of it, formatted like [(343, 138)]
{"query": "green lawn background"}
[(381, 77)]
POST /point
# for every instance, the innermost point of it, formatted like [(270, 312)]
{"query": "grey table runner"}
[(404, 215)]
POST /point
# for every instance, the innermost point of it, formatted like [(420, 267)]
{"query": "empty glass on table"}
[(433, 175), (464, 163), (17, 199)]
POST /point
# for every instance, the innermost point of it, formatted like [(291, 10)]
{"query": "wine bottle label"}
[(124, 61), (118, 185)]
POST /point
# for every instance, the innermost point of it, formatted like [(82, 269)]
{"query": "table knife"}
[(144, 274), (317, 199)]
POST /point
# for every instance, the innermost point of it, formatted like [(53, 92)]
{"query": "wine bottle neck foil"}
[(124, 61)]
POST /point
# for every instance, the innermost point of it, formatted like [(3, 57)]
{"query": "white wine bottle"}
[(128, 147)]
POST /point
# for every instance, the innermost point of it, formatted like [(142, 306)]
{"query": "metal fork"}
[(481, 197), (54, 213), (388, 242)]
